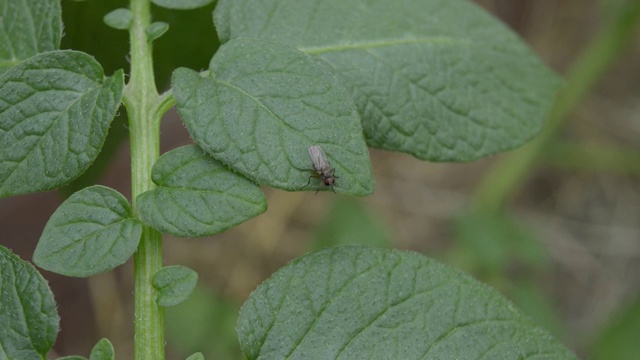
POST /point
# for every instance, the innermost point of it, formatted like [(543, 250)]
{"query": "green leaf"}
[(28, 312), (349, 223), (197, 195), (55, 110), (260, 108), (367, 303), (83, 31), (196, 356), (174, 284), (102, 351), (441, 80), (182, 4), (29, 27), (118, 132), (156, 30), (90, 233), (119, 19)]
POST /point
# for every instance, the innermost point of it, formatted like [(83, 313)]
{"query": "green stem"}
[(165, 102), (508, 175), (141, 100), (592, 157)]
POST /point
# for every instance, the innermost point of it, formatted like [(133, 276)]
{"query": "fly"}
[(321, 167)]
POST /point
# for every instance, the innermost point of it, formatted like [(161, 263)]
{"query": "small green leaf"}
[(441, 80), (196, 356), (55, 110), (268, 103), (197, 195), (156, 30), (182, 4), (119, 19), (90, 233), (28, 312), (102, 351), (174, 284), (367, 303), (29, 27)]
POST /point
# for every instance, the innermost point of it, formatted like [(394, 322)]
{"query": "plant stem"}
[(508, 175), (141, 97), (592, 157)]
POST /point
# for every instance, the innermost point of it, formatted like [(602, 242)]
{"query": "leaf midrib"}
[(444, 40)]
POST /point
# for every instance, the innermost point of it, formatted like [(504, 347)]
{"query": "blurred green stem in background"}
[(588, 156), (508, 175)]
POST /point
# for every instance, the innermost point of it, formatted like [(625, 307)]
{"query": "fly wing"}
[(318, 157)]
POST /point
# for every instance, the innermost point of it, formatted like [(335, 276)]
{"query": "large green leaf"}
[(260, 108), (367, 303), (85, 31), (439, 79), (27, 310), (27, 28), (55, 110), (91, 232), (197, 195)]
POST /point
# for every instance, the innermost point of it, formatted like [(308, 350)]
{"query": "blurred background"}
[(559, 235)]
